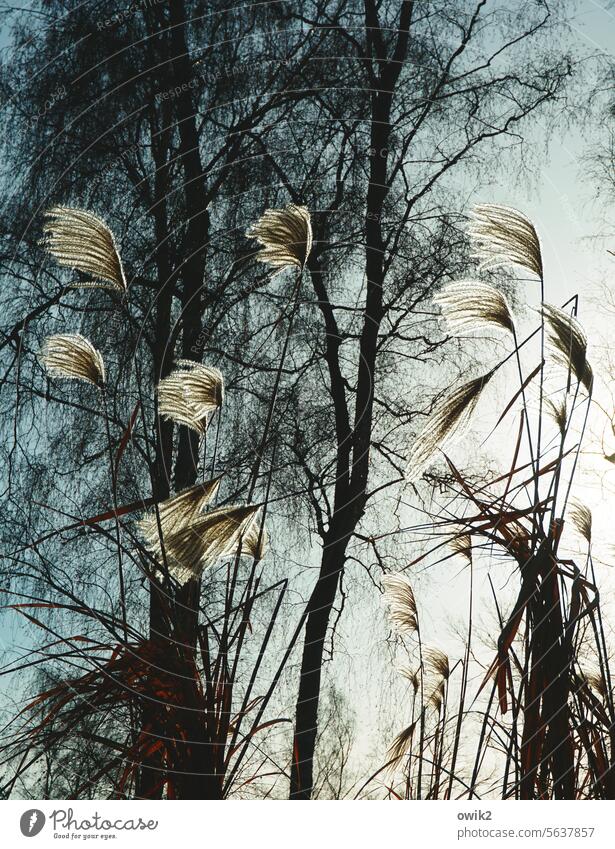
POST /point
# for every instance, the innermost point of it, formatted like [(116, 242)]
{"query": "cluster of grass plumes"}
[(542, 713), (420, 751), (170, 702), (203, 540)]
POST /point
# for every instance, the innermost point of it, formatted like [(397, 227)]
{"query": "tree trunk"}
[(149, 783), (350, 499), (317, 623), (174, 617)]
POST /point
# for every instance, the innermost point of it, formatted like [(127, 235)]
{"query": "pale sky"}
[(576, 229)]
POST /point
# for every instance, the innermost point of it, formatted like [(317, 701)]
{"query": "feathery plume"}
[(190, 393), (79, 240), (402, 743), (224, 532), (446, 421), (471, 305), (504, 236), (175, 512), (412, 675), (436, 698), (581, 518), (399, 598), (596, 681), (462, 545), (568, 344), (438, 662), (285, 236), (73, 357), (557, 410)]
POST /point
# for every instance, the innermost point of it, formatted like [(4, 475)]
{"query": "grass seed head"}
[(83, 242), (502, 236), (190, 393), (221, 533), (285, 236), (399, 598), (469, 305), (568, 344), (447, 420), (73, 357)]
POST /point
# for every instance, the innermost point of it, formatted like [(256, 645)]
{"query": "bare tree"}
[(377, 116), (440, 91)]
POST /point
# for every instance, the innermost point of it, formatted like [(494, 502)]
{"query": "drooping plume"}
[(438, 663), (581, 517), (558, 411), (285, 236), (503, 236), (596, 680), (469, 305), (446, 421), (399, 598), (412, 675), (224, 532), (190, 393), (73, 357), (402, 744), (79, 240), (568, 344), (176, 512), (462, 545)]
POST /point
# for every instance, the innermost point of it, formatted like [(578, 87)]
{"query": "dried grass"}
[(446, 421), (177, 512), (81, 241), (469, 305), (224, 532), (190, 393), (568, 344), (73, 357), (503, 236), (581, 518), (285, 236), (399, 598)]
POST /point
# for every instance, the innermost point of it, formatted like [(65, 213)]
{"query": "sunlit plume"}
[(399, 598), (73, 357), (469, 305), (285, 236), (568, 344), (191, 393), (83, 242), (502, 236), (447, 420), (176, 512), (221, 533)]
